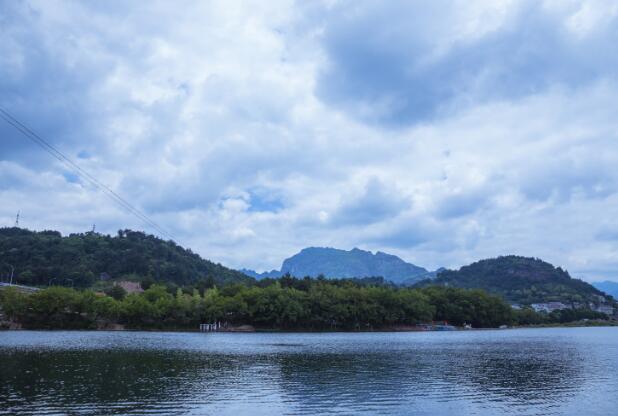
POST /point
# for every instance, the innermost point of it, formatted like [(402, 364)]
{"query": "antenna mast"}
[(17, 220)]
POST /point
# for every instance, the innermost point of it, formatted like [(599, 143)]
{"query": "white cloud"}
[(212, 118)]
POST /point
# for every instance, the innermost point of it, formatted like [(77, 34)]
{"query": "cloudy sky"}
[(442, 131)]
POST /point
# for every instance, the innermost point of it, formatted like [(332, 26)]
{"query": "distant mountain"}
[(273, 274), (611, 288), (422, 277), (356, 263), (520, 279), (81, 259)]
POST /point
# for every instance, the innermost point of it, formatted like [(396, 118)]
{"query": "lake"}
[(557, 371)]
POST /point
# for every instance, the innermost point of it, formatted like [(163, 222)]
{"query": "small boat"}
[(444, 328)]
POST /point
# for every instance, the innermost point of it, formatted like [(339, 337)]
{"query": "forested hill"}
[(39, 257), (520, 279)]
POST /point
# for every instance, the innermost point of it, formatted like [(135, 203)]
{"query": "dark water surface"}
[(520, 372)]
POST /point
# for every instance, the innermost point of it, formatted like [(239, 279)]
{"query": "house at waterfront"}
[(130, 287), (539, 307), (600, 299), (606, 309), (549, 307)]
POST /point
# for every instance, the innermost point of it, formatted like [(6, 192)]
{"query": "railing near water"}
[(20, 287), (211, 327)]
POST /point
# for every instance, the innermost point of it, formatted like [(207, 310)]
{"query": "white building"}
[(549, 307), (606, 309)]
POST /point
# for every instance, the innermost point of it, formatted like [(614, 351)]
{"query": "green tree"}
[(13, 302), (117, 292)]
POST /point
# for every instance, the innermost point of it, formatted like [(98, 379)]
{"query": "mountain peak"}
[(338, 263)]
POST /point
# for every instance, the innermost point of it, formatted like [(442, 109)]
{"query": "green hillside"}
[(39, 257), (520, 280)]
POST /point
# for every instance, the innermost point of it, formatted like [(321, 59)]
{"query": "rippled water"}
[(519, 372)]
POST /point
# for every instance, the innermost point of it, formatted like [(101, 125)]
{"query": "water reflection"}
[(98, 378), (505, 375), (508, 372)]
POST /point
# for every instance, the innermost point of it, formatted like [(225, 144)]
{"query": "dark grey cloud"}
[(406, 234), (562, 177), (390, 64), (377, 202), (460, 204), (46, 86), (607, 233)]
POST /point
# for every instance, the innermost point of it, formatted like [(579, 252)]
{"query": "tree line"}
[(286, 304)]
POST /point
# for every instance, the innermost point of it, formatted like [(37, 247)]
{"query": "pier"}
[(214, 327)]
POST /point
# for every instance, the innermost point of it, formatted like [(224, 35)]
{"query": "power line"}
[(79, 171), (27, 132)]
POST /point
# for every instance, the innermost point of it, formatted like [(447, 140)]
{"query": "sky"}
[(443, 132)]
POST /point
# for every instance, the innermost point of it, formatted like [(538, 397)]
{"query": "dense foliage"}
[(47, 257), (284, 304), (521, 280)]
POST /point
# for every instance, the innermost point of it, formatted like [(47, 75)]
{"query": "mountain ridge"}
[(607, 286), (337, 263)]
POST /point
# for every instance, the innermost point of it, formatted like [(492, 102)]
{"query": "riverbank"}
[(591, 323), (251, 329)]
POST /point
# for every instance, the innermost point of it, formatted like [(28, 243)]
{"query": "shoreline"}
[(252, 330)]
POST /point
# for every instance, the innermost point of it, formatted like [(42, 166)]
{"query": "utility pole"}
[(11, 278), (17, 220)]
